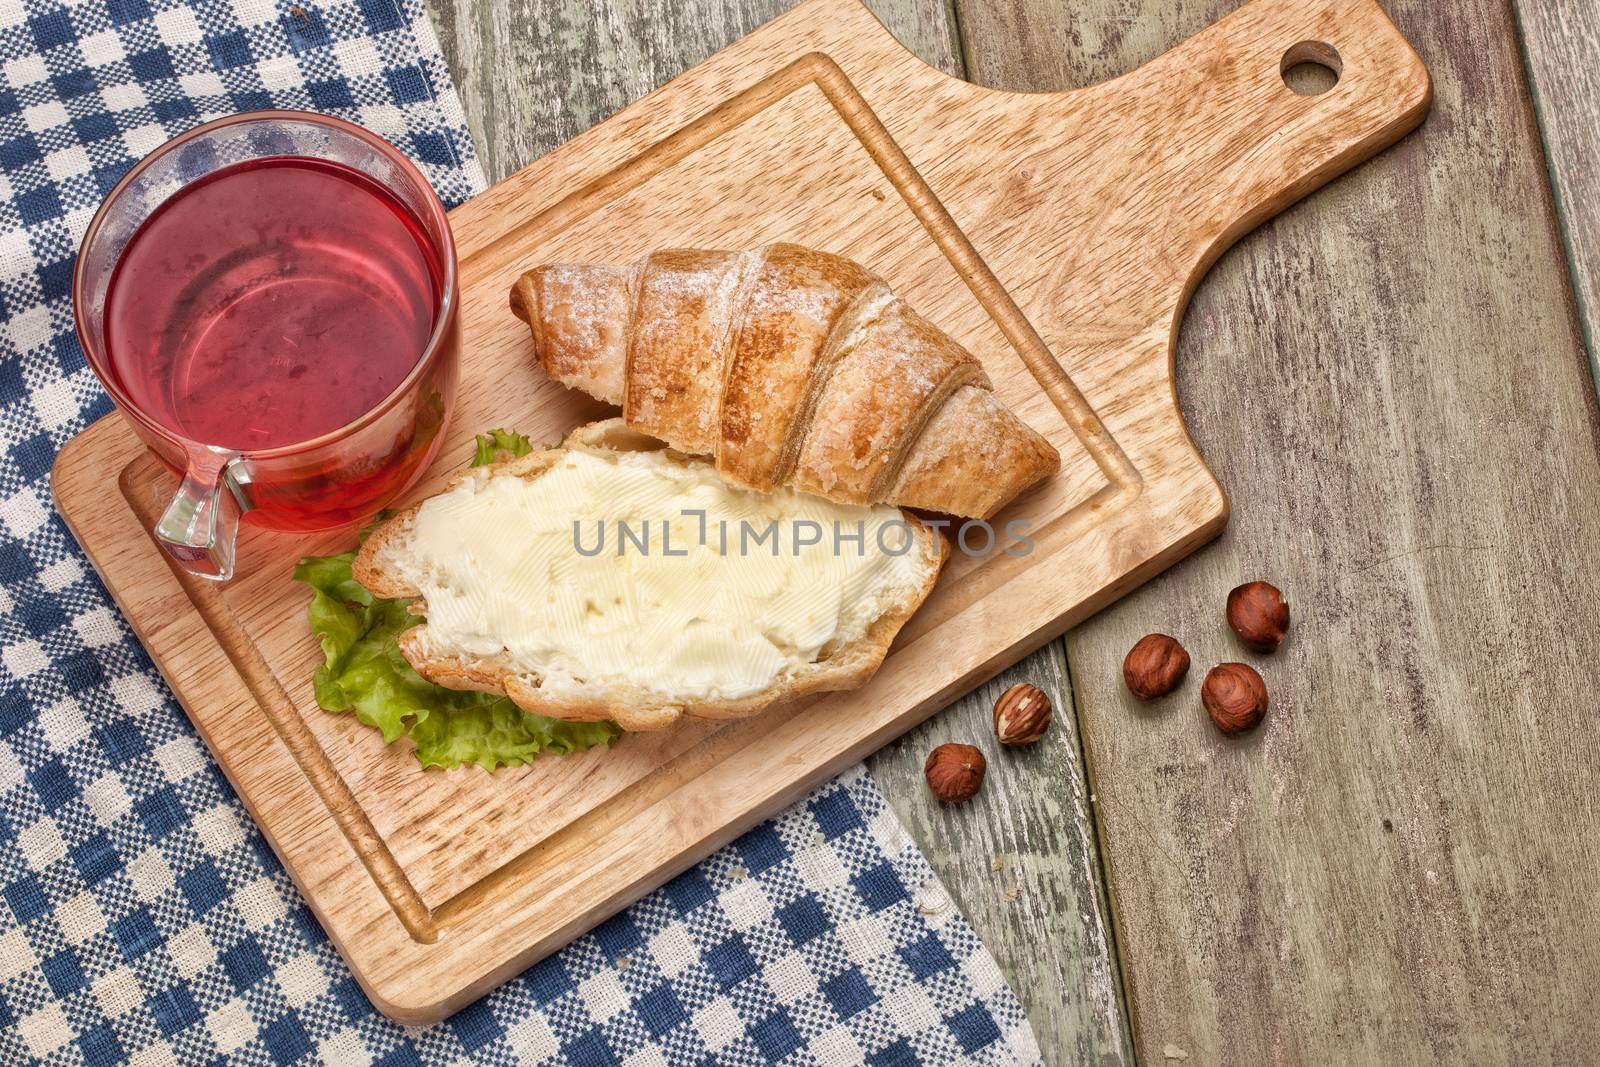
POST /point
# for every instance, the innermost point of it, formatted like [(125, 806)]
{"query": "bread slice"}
[(400, 559)]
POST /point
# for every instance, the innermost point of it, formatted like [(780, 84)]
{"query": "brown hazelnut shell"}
[(1235, 697), (1021, 715), (1154, 666), (954, 772), (1258, 613)]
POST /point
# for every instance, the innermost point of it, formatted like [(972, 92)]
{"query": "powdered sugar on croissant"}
[(790, 367)]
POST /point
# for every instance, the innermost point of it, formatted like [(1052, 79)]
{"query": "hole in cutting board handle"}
[(1311, 68)]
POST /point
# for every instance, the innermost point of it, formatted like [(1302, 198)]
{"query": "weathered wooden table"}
[(1391, 381)]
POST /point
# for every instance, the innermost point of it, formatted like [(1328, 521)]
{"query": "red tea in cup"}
[(271, 301)]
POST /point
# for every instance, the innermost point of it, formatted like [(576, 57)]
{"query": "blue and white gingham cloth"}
[(142, 917)]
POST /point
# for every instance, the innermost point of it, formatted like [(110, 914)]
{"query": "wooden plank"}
[(1399, 866), (1560, 40), (1021, 861), (1052, 942), (533, 75)]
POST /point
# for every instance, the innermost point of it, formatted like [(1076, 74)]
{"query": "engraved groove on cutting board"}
[(815, 69)]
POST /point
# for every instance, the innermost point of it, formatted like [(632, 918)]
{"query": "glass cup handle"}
[(201, 525)]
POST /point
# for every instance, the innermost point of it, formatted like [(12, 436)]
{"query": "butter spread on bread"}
[(528, 586)]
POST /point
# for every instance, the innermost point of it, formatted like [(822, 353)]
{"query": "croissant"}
[(790, 367)]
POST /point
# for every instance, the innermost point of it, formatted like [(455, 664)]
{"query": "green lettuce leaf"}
[(499, 445), (483, 729), (363, 672)]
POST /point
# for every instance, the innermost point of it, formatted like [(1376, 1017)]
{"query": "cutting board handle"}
[(1259, 145), (1204, 143)]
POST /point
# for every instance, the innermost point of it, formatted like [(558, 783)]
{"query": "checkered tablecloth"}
[(142, 917)]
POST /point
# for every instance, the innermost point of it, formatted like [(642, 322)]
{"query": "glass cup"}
[(341, 476)]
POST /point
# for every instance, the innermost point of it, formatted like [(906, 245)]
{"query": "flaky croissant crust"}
[(788, 366)]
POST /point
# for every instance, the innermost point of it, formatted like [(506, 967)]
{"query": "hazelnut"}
[(1235, 697), (1154, 667), (1021, 715), (954, 772), (1259, 615)]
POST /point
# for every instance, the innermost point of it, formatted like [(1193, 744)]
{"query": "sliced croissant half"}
[(525, 594), (789, 367)]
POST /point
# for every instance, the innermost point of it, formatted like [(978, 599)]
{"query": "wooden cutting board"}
[(1057, 235)]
